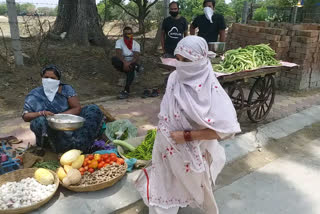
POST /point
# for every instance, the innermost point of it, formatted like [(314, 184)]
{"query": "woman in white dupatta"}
[(195, 112)]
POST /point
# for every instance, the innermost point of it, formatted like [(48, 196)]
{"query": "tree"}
[(80, 19), (138, 9), (3, 9), (192, 8), (27, 7), (237, 6), (44, 10), (260, 14)]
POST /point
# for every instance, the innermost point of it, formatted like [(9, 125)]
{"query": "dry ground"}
[(87, 69)]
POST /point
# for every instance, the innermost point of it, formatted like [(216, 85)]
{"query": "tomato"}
[(120, 160), (106, 164), (100, 165), (82, 169), (91, 170), (113, 155), (97, 157), (113, 158), (107, 160), (93, 164), (85, 163), (86, 159), (89, 161), (82, 173), (90, 157), (103, 162)]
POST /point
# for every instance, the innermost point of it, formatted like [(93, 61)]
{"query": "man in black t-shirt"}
[(174, 28), (210, 24)]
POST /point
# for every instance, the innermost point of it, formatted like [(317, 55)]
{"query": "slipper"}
[(146, 93), (155, 93)]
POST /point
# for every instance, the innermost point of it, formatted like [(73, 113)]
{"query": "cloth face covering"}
[(208, 12), (128, 41), (174, 13), (50, 87)]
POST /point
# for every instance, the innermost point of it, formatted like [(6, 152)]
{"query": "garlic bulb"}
[(23, 193)]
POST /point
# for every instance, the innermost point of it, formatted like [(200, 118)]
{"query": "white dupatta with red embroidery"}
[(182, 174)]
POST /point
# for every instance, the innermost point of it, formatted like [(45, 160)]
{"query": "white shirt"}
[(126, 53)]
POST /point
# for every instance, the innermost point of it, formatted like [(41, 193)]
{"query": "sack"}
[(121, 130)]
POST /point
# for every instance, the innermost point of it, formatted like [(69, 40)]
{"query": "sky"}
[(51, 3)]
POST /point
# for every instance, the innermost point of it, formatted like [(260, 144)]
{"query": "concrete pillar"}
[(166, 8), (14, 30)]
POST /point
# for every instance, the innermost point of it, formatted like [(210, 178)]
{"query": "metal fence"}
[(286, 14)]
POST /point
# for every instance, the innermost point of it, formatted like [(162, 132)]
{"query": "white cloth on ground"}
[(182, 174), (126, 52)]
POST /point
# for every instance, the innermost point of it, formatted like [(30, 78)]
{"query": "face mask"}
[(209, 13), (50, 87), (174, 13)]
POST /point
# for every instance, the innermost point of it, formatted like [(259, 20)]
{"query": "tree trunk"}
[(79, 18), (157, 39)]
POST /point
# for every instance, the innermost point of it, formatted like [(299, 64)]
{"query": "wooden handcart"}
[(262, 92)]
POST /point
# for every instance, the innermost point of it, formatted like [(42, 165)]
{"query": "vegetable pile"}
[(103, 175), (52, 165), (144, 150), (248, 58), (24, 193), (84, 170), (95, 162)]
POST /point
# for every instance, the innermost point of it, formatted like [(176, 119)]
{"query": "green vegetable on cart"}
[(248, 58)]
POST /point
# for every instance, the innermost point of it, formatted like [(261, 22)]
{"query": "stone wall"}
[(294, 43)]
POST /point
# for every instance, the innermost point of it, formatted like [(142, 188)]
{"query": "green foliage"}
[(281, 3), (310, 3), (260, 14), (3, 9), (26, 7), (108, 11), (192, 8), (47, 11)]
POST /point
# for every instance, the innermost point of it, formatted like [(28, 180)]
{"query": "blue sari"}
[(61, 141)]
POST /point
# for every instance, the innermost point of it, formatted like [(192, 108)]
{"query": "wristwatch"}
[(187, 135)]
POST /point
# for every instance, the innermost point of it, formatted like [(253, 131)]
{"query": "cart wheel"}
[(261, 98), (236, 95)]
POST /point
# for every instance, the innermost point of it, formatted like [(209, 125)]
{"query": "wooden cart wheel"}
[(261, 98), (236, 95)]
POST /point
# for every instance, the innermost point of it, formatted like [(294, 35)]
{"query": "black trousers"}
[(118, 64)]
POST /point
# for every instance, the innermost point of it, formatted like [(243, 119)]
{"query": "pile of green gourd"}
[(144, 150), (248, 58)]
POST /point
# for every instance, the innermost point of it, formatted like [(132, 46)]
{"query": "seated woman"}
[(51, 98)]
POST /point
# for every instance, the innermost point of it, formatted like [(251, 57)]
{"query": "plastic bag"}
[(121, 130)]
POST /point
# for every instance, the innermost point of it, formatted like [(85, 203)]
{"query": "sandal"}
[(123, 95), (155, 92), (146, 93)]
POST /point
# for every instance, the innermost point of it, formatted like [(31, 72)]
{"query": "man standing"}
[(126, 59), (174, 28), (210, 24)]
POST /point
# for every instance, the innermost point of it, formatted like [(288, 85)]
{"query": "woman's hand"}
[(178, 137), (46, 113)]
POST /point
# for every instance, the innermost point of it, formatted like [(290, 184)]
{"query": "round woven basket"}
[(18, 175), (96, 187)]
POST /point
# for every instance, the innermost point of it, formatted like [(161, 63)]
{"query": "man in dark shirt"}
[(210, 24), (174, 28)]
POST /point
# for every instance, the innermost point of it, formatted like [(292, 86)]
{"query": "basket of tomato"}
[(99, 172)]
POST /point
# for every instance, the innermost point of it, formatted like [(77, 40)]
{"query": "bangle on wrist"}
[(187, 135)]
